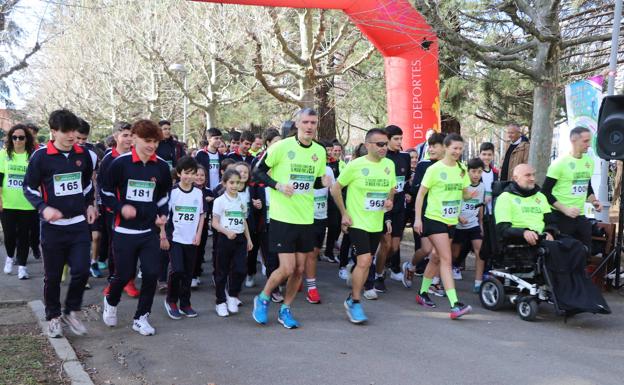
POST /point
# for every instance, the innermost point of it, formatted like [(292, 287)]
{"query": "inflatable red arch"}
[(410, 50)]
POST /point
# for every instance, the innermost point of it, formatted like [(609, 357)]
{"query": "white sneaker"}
[(222, 310), (370, 294), (109, 314), (55, 329), (139, 274), (457, 275), (396, 276), (8, 265), (263, 270), (22, 273), (250, 281), (194, 283), (142, 326), (199, 282), (343, 273), (74, 323), (232, 305)]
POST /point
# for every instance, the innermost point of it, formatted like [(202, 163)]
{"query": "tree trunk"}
[(327, 113)]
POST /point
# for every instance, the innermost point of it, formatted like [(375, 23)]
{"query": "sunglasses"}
[(380, 144), (21, 137)]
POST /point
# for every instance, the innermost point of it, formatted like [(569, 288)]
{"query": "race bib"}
[(184, 214), (15, 181), (374, 201), (320, 207), (450, 209), (140, 190), (579, 187), (302, 183), (67, 184), (234, 220), (400, 183), (213, 164)]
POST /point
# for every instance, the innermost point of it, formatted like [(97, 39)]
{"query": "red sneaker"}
[(313, 296), (106, 290), (131, 290)]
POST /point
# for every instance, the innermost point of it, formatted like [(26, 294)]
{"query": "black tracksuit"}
[(62, 180), (145, 186)]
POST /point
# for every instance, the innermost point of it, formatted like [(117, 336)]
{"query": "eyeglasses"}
[(20, 137), (380, 144)]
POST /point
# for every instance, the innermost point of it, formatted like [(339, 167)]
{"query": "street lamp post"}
[(181, 69)]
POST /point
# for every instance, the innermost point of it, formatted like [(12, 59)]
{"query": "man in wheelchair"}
[(526, 226)]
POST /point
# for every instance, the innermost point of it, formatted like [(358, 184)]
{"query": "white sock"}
[(435, 281)]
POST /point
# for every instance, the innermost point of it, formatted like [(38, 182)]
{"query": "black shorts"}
[(320, 226), (467, 235), (431, 227), (290, 238), (398, 222), (98, 224), (363, 242)]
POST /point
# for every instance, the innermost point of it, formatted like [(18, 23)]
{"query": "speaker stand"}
[(616, 253)]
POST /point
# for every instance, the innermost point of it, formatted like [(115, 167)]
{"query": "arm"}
[(162, 195), (216, 225), (549, 183), (109, 187), (261, 175), (248, 237), (591, 197), (1, 183), (200, 226), (420, 198), (164, 242)]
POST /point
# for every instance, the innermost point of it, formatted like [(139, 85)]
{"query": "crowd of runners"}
[(142, 208)]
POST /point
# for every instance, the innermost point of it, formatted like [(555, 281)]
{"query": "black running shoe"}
[(380, 285), (424, 300)]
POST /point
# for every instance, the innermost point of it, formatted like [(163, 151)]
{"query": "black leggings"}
[(17, 225)]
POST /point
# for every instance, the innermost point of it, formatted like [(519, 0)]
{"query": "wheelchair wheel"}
[(492, 294), (527, 308)]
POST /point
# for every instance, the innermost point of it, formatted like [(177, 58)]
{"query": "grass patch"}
[(26, 357)]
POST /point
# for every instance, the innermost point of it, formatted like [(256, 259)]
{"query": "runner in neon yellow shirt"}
[(568, 187), (18, 215), (445, 184), (371, 180), (297, 167)]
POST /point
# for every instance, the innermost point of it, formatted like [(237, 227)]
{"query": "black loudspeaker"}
[(610, 140)]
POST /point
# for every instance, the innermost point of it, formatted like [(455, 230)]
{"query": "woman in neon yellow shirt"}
[(445, 184), (17, 215)]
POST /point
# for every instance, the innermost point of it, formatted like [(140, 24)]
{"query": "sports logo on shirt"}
[(571, 165), (314, 157), (538, 201), (443, 175), (587, 165), (291, 155), (387, 170), (78, 163), (153, 179), (365, 171), (518, 200)]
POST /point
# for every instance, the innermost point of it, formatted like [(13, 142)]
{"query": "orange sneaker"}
[(131, 290), (313, 296)]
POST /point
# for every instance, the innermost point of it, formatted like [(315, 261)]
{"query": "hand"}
[(51, 214), (572, 212), (531, 237), (128, 212), (257, 203), (346, 222), (285, 189), (462, 220), (408, 198), (418, 226), (92, 214), (326, 180), (249, 245), (209, 199), (388, 204), (164, 244), (161, 220), (197, 239), (596, 203), (388, 227), (487, 200), (230, 234), (549, 237)]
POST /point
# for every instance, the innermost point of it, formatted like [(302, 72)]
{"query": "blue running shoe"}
[(188, 311), (95, 271), (459, 309), (261, 310), (285, 318), (355, 312), (102, 265), (172, 310)]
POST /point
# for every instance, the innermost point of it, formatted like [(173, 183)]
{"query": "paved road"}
[(402, 343)]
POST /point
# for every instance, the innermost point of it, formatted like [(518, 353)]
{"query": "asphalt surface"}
[(401, 344)]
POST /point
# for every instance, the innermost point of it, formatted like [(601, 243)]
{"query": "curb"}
[(63, 349)]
